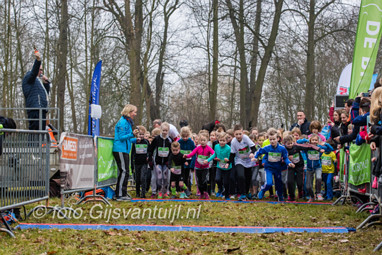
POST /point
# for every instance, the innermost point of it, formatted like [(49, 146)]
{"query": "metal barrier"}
[(24, 169), (20, 116)]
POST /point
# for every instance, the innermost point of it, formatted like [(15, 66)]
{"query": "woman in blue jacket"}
[(123, 138)]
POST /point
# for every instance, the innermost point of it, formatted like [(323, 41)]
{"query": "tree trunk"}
[(310, 66), (239, 36), (256, 97), (215, 58), (61, 60)]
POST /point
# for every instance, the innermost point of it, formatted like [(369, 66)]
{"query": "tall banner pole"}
[(366, 46), (93, 126)]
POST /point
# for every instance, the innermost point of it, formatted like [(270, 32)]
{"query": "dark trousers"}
[(212, 181), (244, 177), (186, 178), (232, 184), (218, 180), (225, 177), (201, 177), (34, 123), (295, 176), (141, 176), (122, 160)]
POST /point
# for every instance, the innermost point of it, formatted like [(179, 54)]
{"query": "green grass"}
[(211, 214)]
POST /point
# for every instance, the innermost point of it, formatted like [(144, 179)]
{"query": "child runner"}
[(202, 152), (160, 150), (296, 174), (155, 132), (222, 154), (314, 166), (242, 149), (139, 159), (176, 164), (212, 172), (255, 171), (328, 159), (186, 146), (276, 154)]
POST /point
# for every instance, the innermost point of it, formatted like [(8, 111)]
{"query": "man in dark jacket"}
[(302, 123), (36, 87)]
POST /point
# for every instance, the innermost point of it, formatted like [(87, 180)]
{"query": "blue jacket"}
[(35, 93), (311, 155), (123, 136), (280, 155), (186, 146)]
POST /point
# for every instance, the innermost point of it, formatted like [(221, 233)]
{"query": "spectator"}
[(7, 123), (36, 87), (302, 123)]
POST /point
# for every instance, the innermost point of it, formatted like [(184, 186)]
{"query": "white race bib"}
[(274, 156), (141, 148), (201, 159), (296, 158), (185, 153), (163, 152), (313, 155), (326, 161), (177, 169), (222, 164)]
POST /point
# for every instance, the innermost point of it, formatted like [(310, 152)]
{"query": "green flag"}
[(359, 164), (342, 158), (366, 46)]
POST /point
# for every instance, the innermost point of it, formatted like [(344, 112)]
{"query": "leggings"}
[(212, 181), (162, 172), (201, 177), (309, 181)]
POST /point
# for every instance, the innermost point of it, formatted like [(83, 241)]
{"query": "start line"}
[(218, 229)]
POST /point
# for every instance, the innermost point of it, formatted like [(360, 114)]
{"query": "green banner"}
[(359, 164), (107, 167), (366, 46), (342, 158)]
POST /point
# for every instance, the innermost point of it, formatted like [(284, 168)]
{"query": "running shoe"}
[(206, 196), (320, 197), (160, 196), (261, 194), (218, 194), (243, 198), (182, 195), (165, 196)]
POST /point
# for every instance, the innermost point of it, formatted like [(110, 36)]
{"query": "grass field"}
[(67, 241)]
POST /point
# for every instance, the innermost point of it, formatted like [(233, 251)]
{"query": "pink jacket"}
[(204, 153)]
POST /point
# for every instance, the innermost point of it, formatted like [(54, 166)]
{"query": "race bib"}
[(177, 169), (185, 153), (313, 155), (296, 158), (222, 164), (326, 161), (274, 156), (163, 152), (244, 153), (201, 159), (141, 148)]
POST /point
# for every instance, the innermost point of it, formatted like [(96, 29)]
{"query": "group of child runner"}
[(242, 164)]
